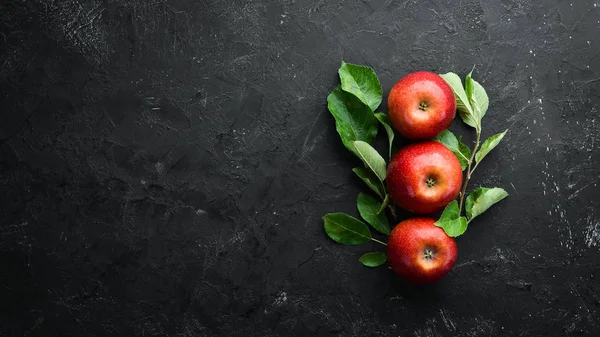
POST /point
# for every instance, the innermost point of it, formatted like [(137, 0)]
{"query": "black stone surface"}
[(165, 166)]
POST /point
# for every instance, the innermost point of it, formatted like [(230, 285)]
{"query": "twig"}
[(469, 171)]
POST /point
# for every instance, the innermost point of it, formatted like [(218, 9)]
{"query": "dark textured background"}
[(165, 164)]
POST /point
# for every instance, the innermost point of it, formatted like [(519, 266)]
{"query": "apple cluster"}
[(423, 177)]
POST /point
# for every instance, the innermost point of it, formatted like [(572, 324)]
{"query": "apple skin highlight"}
[(421, 252), (424, 177), (421, 105)]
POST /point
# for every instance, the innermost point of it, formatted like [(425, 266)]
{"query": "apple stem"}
[(469, 171), (380, 242)]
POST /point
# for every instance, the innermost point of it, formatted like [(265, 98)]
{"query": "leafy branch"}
[(469, 171), (472, 103), (353, 104)]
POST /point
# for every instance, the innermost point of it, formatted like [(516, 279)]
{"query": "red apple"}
[(424, 177), (421, 105), (421, 252)]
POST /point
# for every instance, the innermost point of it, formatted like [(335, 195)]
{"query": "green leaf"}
[(477, 96), (451, 221), (465, 152), (368, 208), (362, 82), (384, 204), (469, 86), (479, 101), (481, 199), (453, 143), (451, 211), (345, 229), (371, 158), (489, 145), (373, 259), (370, 179), (387, 125), (454, 227), (353, 119), (462, 101), (449, 139)]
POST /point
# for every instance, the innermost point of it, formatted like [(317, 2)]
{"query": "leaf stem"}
[(393, 211), (380, 242), (384, 192), (473, 170), (469, 171), (390, 205), (462, 155)]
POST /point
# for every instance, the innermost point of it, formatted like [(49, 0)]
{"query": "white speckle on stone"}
[(592, 234), (80, 26), (200, 211), (160, 168), (281, 299)]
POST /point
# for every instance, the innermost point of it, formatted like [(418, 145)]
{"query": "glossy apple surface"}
[(421, 252), (421, 105), (424, 177)]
